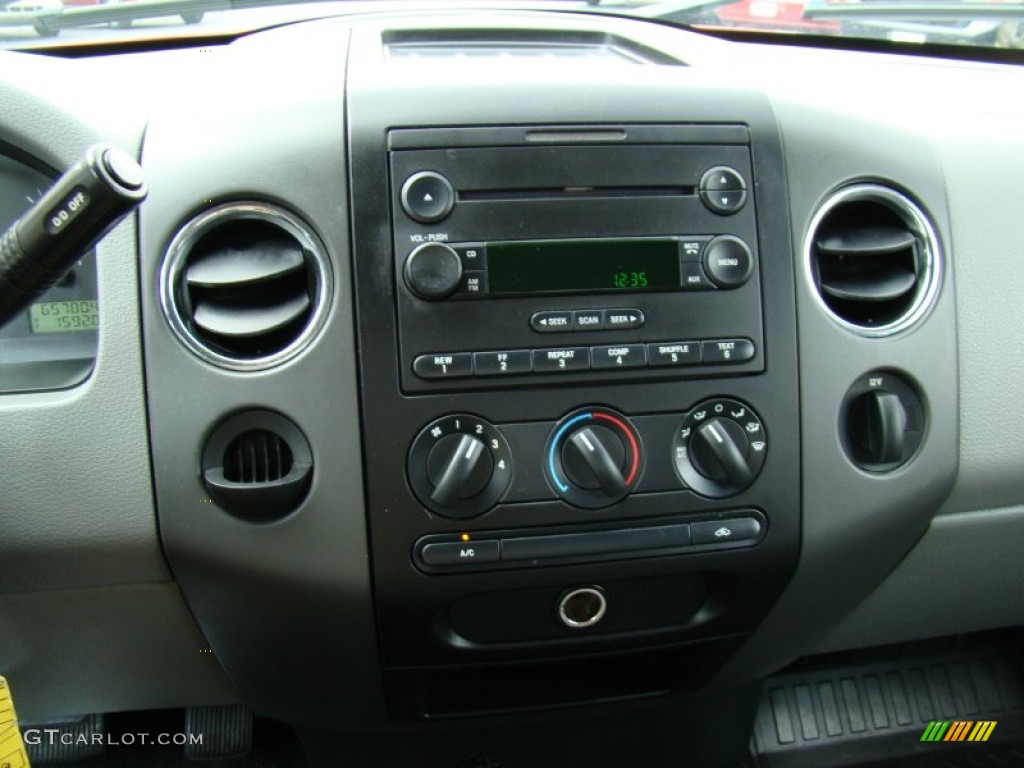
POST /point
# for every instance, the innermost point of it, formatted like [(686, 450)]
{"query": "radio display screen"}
[(582, 266)]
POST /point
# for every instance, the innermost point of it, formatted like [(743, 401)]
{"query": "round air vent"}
[(873, 259), (245, 285)]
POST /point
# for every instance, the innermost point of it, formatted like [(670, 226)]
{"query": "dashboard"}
[(530, 362)]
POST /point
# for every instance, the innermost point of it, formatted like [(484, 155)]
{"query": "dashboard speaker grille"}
[(873, 259), (245, 286)]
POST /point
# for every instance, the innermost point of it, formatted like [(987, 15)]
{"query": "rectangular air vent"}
[(421, 47)]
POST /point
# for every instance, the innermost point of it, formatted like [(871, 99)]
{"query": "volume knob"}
[(433, 271)]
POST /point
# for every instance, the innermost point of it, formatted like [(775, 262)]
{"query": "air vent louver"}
[(257, 465), (873, 259), (245, 285), (257, 456)]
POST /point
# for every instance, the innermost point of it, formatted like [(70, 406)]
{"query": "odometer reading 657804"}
[(64, 316)]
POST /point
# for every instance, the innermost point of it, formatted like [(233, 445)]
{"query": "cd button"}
[(728, 351), (443, 365), (694, 279), (588, 320), (503, 363), (427, 197), (561, 360), (551, 322), (471, 255), (674, 353), (622, 319), (618, 356)]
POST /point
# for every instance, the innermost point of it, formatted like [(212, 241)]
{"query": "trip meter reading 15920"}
[(64, 316)]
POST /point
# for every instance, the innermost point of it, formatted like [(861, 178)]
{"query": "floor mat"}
[(908, 706)]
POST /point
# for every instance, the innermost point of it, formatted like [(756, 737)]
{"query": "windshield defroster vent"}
[(873, 259), (245, 286)]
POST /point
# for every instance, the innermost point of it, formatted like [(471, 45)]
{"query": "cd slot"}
[(572, 192)]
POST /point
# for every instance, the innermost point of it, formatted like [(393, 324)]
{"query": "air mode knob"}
[(594, 457), (459, 466), (719, 448)]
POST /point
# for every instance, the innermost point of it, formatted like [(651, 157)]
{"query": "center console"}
[(577, 348)]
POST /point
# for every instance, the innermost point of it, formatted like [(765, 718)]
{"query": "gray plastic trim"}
[(949, 583)]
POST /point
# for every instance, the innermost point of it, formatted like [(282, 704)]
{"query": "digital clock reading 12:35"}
[(630, 280), (64, 316)]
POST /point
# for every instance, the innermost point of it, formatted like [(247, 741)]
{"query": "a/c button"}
[(461, 552)]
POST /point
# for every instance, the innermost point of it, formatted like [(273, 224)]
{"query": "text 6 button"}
[(728, 351)]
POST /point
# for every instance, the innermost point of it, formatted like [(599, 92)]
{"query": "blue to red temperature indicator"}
[(594, 457)]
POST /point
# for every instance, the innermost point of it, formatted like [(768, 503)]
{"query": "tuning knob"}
[(459, 466), (594, 457), (719, 448)]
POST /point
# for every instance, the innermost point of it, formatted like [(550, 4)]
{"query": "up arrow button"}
[(723, 190)]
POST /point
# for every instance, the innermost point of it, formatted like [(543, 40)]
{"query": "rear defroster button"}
[(581, 607)]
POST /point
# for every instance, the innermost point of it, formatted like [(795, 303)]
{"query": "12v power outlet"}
[(582, 607)]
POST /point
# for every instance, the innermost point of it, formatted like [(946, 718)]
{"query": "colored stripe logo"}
[(959, 730)]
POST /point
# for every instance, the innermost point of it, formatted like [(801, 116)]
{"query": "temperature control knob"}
[(459, 466), (719, 448), (594, 457)]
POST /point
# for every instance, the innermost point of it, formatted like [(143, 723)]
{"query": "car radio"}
[(517, 265)]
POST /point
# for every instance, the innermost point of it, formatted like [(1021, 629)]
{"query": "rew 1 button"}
[(443, 365), (427, 197)]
